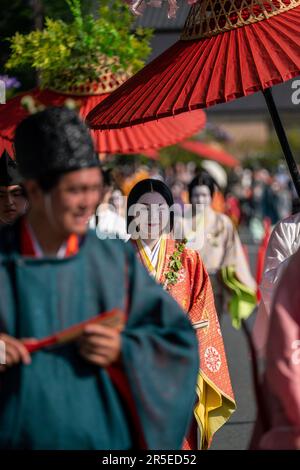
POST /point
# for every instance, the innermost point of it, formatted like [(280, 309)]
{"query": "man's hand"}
[(100, 345), (15, 352)]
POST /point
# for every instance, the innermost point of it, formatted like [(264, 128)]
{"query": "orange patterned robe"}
[(193, 292)]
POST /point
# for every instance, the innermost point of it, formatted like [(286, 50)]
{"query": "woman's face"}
[(154, 216), (117, 200), (201, 195)]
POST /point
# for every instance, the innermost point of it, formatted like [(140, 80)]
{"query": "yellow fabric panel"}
[(212, 410)]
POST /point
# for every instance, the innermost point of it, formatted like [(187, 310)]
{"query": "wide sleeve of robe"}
[(283, 243), (160, 360), (234, 254), (282, 376)]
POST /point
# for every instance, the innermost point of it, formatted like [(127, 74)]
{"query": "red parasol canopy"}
[(228, 49), (139, 139), (210, 152), (152, 154)]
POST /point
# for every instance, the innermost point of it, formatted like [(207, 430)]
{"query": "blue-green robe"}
[(60, 401)]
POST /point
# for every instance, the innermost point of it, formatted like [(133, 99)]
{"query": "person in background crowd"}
[(177, 189), (108, 221), (220, 249), (13, 202)]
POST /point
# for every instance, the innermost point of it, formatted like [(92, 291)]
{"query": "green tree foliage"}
[(15, 16), (69, 53)]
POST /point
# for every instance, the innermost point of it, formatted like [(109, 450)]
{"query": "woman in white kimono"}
[(213, 235), (283, 243)]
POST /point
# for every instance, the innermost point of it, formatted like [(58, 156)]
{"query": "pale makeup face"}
[(155, 215), (201, 195)]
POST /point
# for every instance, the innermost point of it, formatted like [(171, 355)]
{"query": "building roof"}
[(157, 18)]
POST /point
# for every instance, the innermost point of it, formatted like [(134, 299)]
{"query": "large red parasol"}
[(139, 139), (210, 152), (228, 49)]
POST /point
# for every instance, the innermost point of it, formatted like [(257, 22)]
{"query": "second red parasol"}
[(140, 139), (210, 152)]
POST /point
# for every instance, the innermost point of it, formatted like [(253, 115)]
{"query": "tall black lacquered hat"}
[(53, 141), (9, 175)]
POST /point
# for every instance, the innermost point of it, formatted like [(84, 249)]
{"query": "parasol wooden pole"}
[(282, 139)]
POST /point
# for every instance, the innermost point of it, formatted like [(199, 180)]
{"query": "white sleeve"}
[(283, 243), (280, 248)]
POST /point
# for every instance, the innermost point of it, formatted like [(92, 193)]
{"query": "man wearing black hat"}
[(13, 202), (110, 390)]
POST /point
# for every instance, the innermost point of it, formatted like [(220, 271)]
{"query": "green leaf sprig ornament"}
[(175, 264)]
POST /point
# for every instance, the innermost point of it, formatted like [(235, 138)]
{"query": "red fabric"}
[(190, 440), (138, 139), (209, 152), (152, 154), (233, 210), (201, 73), (27, 247), (5, 145)]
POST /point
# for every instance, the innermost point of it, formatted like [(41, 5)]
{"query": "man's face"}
[(72, 202), (13, 203)]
